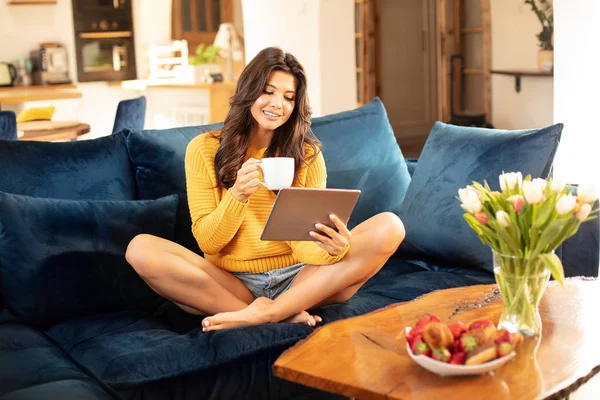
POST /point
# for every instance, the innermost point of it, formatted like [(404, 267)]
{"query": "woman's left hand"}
[(335, 243)]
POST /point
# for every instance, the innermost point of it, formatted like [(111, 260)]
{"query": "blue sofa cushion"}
[(97, 169), (580, 254), (61, 259), (32, 367), (361, 152), (158, 157), (131, 348), (452, 158)]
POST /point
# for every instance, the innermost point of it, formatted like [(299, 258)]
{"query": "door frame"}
[(429, 40), (443, 59)]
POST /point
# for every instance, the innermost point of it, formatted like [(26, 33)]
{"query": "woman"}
[(242, 280)]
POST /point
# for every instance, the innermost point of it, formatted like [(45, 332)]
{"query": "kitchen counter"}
[(141, 84), (22, 94), (184, 102)]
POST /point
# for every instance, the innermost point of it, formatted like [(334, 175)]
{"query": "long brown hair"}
[(288, 140)]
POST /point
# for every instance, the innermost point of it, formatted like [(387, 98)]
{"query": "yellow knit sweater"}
[(228, 231)]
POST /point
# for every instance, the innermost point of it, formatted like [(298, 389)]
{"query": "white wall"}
[(514, 46), (320, 34), (151, 24), (577, 88), (22, 28), (337, 56)]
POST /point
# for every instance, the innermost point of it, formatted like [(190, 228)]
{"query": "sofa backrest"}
[(361, 152)]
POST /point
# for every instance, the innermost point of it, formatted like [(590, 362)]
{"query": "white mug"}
[(278, 172)]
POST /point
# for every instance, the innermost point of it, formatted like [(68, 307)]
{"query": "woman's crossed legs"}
[(191, 282), (371, 245), (199, 287)]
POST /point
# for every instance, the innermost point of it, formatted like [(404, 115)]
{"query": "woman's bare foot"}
[(255, 314), (304, 318)]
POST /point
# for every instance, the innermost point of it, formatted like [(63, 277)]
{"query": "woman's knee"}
[(139, 253), (390, 232)]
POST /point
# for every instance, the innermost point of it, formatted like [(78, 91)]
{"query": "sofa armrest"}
[(580, 254)]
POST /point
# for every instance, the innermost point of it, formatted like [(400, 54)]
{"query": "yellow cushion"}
[(35, 114)]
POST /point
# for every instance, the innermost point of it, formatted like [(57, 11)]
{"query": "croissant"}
[(437, 335)]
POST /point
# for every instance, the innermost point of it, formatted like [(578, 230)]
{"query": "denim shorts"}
[(271, 283)]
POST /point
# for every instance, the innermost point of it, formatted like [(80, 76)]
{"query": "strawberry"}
[(414, 332), (457, 329), (482, 323), (419, 347), (504, 348), (465, 344), (426, 320), (442, 354), (504, 336), (458, 358)]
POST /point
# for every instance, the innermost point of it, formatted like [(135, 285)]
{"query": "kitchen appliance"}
[(100, 5), (104, 40), (8, 74), (50, 64)]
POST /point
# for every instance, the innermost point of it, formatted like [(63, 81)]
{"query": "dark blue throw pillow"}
[(361, 152), (454, 157), (61, 259), (158, 157), (97, 169)]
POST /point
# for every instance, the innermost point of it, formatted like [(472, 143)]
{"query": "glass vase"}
[(522, 283)]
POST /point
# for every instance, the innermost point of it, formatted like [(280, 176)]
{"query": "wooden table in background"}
[(365, 357), (49, 131), (22, 94)]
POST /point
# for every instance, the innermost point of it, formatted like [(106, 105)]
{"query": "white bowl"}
[(446, 369)]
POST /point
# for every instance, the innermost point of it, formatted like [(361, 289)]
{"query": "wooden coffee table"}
[(365, 357)]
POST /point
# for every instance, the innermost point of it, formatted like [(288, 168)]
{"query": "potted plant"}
[(203, 62), (544, 11)]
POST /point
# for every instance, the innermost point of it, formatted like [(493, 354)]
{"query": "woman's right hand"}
[(247, 181)]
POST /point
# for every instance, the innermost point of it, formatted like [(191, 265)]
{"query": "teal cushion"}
[(361, 152), (97, 169), (158, 157), (454, 157), (61, 259)]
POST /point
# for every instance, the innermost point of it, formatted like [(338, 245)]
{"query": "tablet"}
[(297, 210)]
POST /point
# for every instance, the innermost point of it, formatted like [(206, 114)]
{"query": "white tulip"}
[(502, 218), (533, 191), (540, 182), (558, 185), (565, 204), (584, 212), (470, 199), (509, 180), (587, 193)]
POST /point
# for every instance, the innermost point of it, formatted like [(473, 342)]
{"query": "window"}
[(197, 21)]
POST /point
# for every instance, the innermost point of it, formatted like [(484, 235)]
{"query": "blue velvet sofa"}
[(77, 322)]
